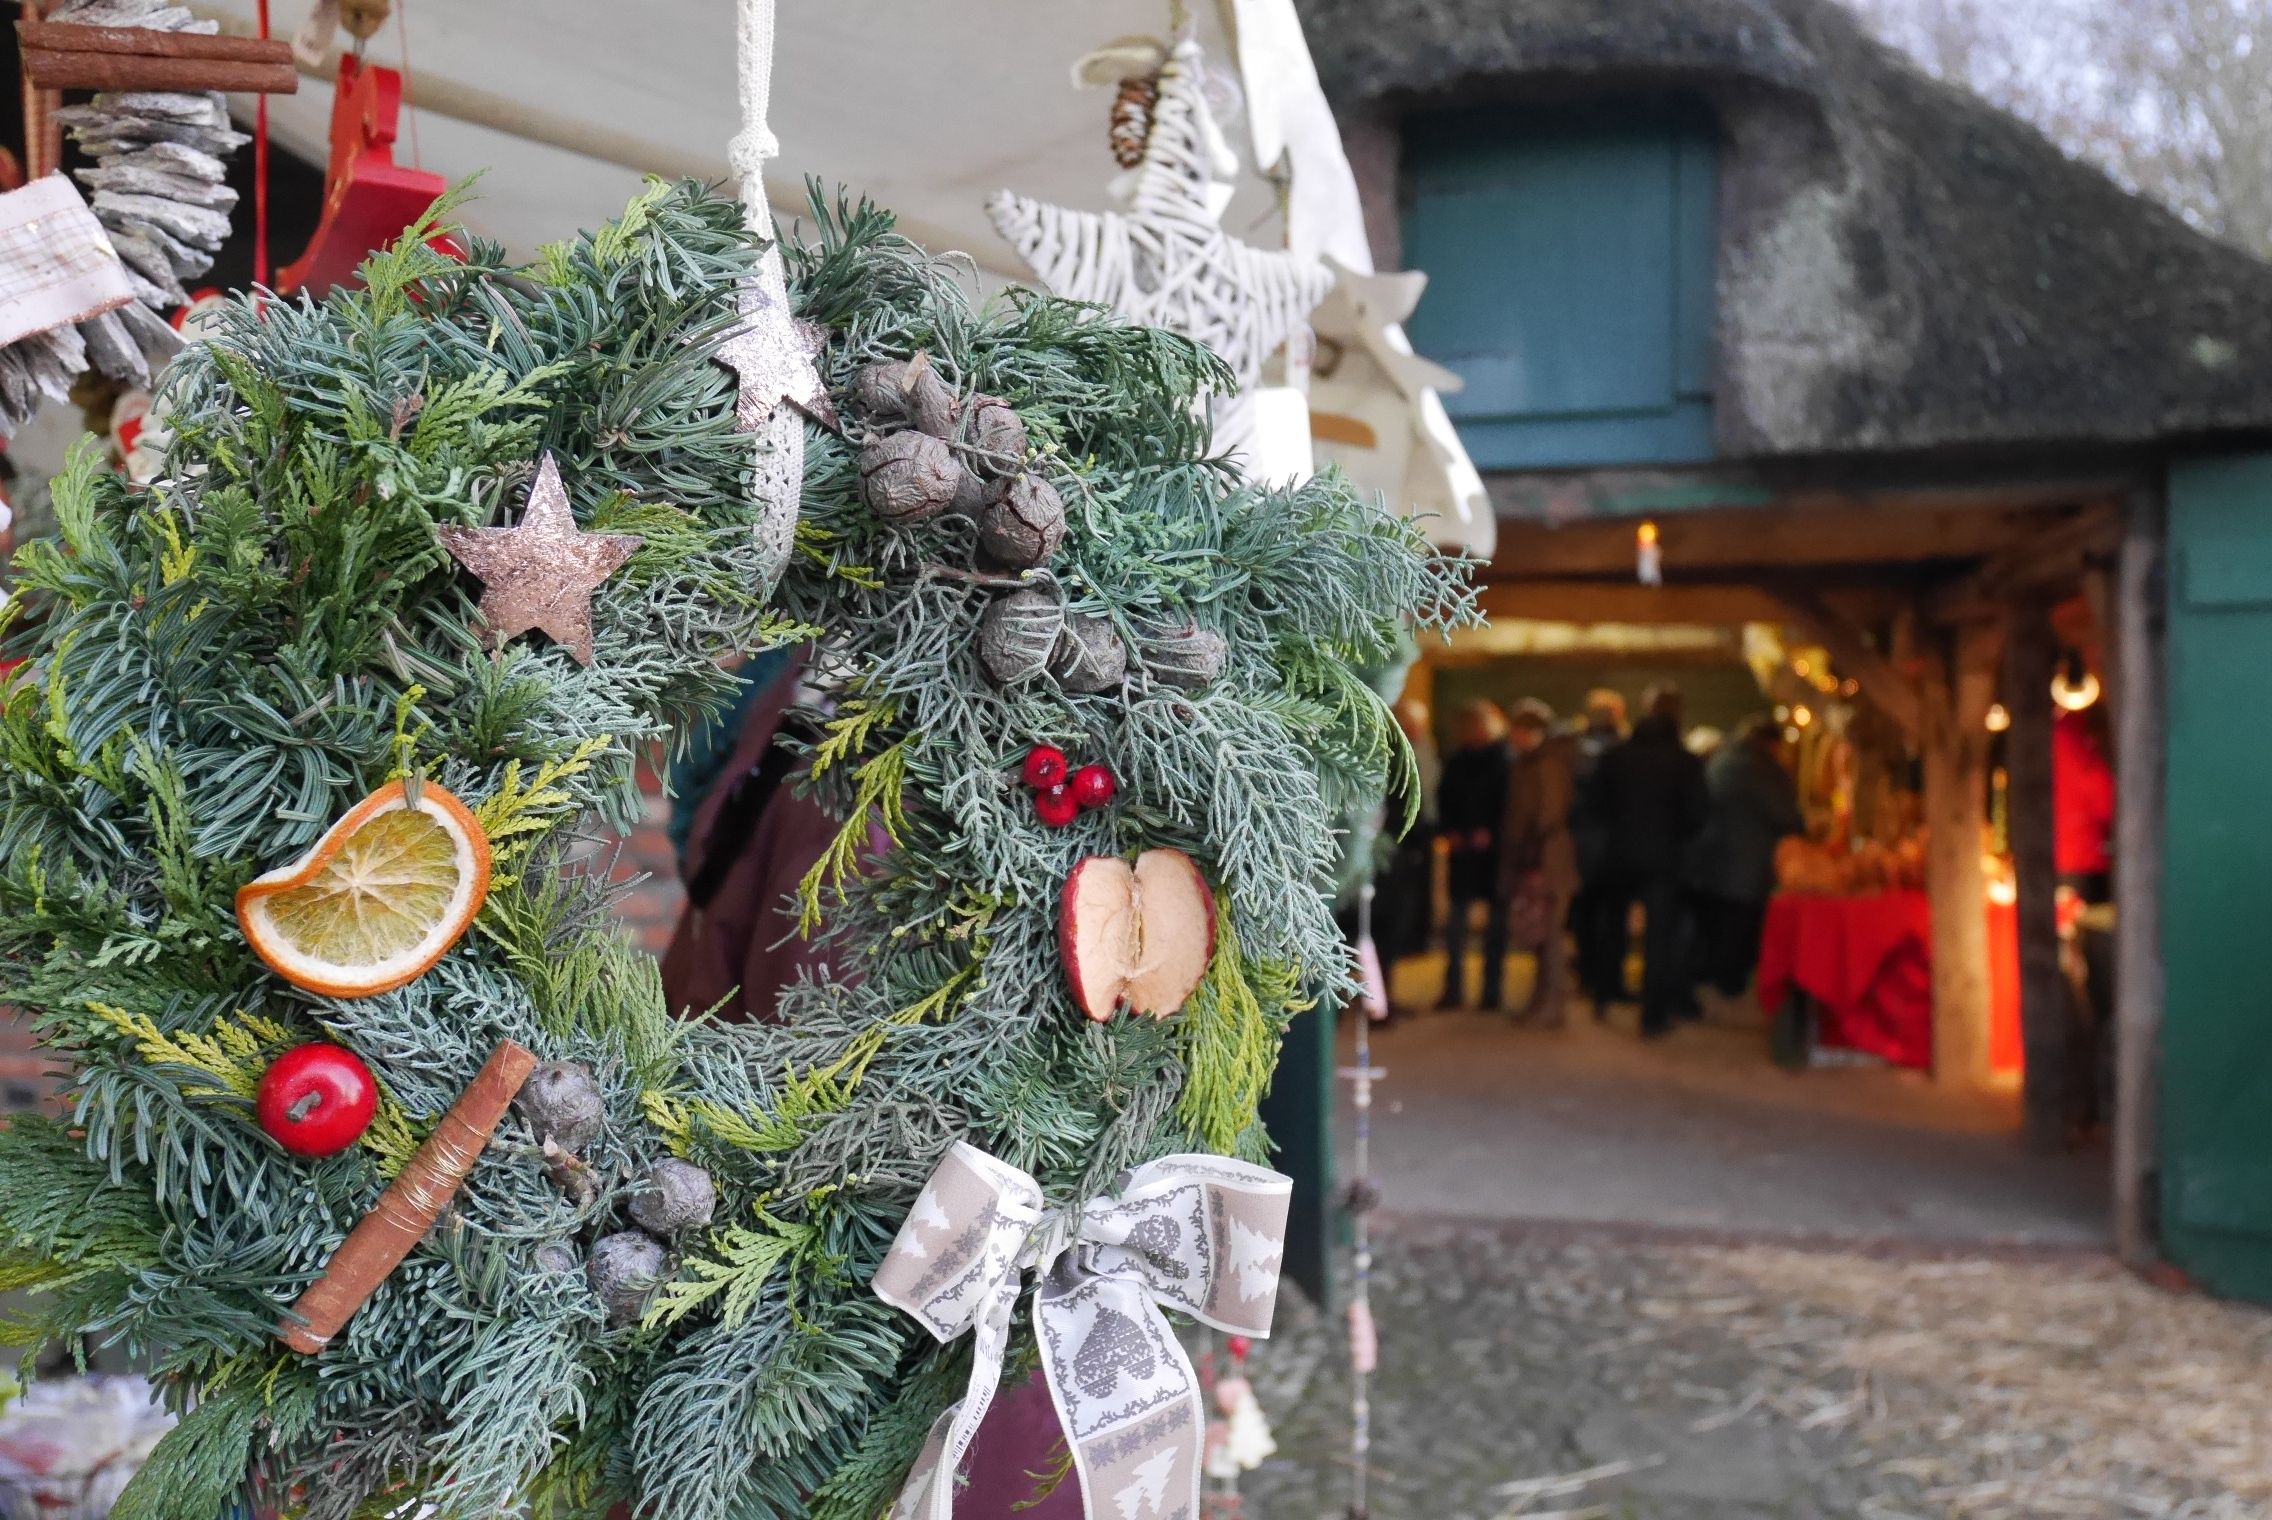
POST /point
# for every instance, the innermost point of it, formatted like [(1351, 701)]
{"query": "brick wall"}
[(647, 913)]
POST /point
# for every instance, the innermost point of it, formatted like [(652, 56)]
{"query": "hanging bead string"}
[(1364, 1342)]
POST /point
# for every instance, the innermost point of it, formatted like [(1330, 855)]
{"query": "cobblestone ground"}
[(1591, 1378)]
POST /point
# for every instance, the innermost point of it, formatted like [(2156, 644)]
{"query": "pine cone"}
[(880, 391), (907, 477), (562, 1102), (1017, 635), (1090, 657), (1189, 656), (1131, 128), (625, 1268), (678, 1196), (1022, 523), (995, 435), (932, 405)]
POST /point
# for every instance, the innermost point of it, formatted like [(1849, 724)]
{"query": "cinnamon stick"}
[(409, 1206), (141, 42), (53, 70)]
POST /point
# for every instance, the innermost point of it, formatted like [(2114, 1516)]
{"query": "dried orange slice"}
[(383, 894)]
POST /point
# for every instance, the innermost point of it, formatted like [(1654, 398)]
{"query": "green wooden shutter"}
[(2216, 1069), (1570, 262)]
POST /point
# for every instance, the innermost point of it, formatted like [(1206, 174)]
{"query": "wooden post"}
[(1957, 685), (2139, 619), (2046, 1017)]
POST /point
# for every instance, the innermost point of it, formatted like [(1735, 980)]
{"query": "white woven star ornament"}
[(1166, 261)]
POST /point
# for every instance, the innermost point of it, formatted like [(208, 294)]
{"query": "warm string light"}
[(1999, 717)]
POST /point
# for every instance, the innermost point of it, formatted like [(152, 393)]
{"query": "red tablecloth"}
[(1868, 961)]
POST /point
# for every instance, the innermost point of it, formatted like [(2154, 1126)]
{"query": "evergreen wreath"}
[(225, 662)]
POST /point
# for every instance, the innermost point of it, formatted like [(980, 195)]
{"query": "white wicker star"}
[(1166, 261)]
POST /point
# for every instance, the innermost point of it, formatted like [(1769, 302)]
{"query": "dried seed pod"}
[(970, 495), (932, 405), (996, 437), (562, 1102), (1018, 634), (1022, 523), (909, 476), (678, 1195), (1188, 656), (558, 1257), (625, 1268), (1090, 657), (880, 391)]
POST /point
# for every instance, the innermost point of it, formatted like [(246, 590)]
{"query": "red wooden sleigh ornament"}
[(368, 198)]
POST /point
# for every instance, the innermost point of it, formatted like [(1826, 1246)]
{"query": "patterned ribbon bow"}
[(1195, 1233)]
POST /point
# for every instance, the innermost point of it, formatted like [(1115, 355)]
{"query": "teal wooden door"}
[(2216, 1071), (1570, 261)]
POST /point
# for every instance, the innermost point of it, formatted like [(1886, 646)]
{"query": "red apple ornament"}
[(1139, 935), (1093, 786), (1056, 806), (1045, 766), (316, 1100)]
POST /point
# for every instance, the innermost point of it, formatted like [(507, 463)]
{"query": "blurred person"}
[(1403, 907), (1754, 805), (1597, 914), (1471, 807), (1538, 860), (1652, 791), (2082, 835)]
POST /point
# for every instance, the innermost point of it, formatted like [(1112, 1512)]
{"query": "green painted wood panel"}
[(1571, 265), (1298, 1112), (2216, 1069)]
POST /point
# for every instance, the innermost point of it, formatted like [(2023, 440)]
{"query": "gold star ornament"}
[(771, 354), (542, 573)]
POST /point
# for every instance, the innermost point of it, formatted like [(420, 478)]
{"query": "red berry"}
[(1056, 807), (1093, 786), (1045, 766), (1239, 1347), (316, 1100)]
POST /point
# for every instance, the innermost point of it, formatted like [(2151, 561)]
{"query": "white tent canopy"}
[(925, 107)]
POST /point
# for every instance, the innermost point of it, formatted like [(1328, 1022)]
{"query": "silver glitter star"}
[(771, 354), (541, 573)]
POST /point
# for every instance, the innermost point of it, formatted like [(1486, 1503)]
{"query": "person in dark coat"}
[(747, 842), (1471, 807), (1651, 790), (1754, 806), (1538, 862), (1597, 913)]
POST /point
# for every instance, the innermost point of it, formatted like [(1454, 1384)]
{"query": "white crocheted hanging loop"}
[(780, 470)]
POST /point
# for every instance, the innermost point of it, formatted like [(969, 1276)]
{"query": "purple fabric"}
[(1019, 1447)]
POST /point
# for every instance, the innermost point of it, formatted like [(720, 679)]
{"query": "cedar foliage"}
[(223, 663)]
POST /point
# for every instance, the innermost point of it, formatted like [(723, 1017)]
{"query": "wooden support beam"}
[(1699, 543), (2138, 615), (2052, 560), (1956, 686), (1630, 602), (2047, 1023), (1884, 685)]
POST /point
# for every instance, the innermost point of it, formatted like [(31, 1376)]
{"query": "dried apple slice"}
[(1175, 931), (1139, 936), (1096, 932)]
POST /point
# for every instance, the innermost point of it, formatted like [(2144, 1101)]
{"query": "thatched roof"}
[(1902, 265)]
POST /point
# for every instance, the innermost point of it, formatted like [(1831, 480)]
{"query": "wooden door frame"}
[(2140, 761)]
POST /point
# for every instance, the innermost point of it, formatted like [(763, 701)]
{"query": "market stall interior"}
[(1892, 872)]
